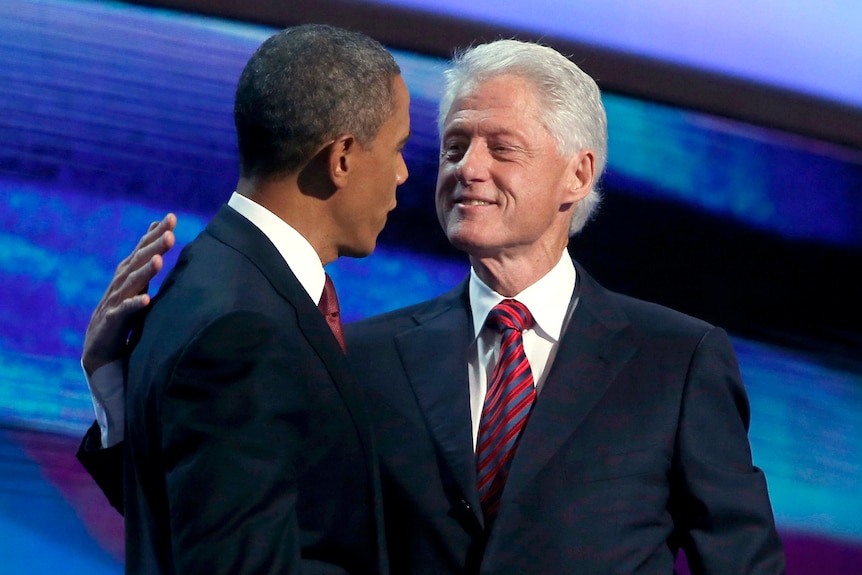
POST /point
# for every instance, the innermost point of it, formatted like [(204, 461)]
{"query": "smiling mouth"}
[(473, 203)]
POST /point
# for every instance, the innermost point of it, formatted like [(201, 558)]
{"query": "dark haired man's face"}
[(377, 170)]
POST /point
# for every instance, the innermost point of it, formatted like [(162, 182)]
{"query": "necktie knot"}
[(509, 314)]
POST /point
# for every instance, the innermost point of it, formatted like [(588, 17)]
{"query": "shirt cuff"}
[(109, 399)]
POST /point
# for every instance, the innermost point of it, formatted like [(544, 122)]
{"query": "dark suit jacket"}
[(247, 446), (636, 446)]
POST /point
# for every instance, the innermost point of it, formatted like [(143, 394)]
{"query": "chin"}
[(466, 242), (357, 251)]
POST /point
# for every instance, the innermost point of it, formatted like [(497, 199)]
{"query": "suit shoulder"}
[(410, 316), (389, 321), (648, 318), (658, 319)]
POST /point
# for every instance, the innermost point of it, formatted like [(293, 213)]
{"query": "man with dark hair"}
[(247, 447)]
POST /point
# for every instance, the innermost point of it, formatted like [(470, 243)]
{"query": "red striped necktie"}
[(329, 308), (508, 402)]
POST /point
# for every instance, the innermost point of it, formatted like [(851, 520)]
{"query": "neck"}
[(510, 276), (302, 212)]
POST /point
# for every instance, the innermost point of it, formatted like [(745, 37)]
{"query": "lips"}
[(472, 202)]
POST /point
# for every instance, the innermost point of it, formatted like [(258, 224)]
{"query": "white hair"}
[(570, 102)]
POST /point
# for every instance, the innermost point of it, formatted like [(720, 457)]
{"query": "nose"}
[(401, 173), (473, 165)]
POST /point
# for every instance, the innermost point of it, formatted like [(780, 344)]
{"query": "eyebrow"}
[(493, 132)]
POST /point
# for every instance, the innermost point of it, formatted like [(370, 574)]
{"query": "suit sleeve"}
[(105, 465), (719, 498), (233, 420)]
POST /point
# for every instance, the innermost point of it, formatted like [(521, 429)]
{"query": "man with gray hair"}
[(531, 421)]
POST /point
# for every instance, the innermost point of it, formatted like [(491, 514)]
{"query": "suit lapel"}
[(434, 355), (592, 352), (231, 228)]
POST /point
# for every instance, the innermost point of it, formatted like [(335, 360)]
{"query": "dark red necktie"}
[(329, 308), (508, 402)]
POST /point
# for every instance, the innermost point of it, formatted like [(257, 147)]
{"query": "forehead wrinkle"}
[(487, 125), (496, 120)]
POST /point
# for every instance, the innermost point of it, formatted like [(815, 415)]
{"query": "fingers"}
[(130, 306), (138, 280), (132, 278), (167, 224), (126, 295), (158, 240), (135, 272), (145, 253)]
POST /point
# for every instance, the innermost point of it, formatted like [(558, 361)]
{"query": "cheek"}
[(445, 173), (446, 183), (440, 202)]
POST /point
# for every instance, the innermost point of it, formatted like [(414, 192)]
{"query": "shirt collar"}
[(300, 257), (547, 299)]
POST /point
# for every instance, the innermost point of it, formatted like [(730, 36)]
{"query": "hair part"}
[(305, 86), (569, 101)]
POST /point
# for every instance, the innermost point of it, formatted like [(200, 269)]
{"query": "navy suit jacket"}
[(637, 446), (247, 445)]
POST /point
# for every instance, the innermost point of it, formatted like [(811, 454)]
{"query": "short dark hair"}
[(307, 85)]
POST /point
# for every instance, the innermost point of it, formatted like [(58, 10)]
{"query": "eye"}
[(502, 147), (453, 150)]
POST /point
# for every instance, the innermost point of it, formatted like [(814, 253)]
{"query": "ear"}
[(340, 159), (580, 174)]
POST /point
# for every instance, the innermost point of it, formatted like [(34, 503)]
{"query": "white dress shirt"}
[(106, 383), (548, 301)]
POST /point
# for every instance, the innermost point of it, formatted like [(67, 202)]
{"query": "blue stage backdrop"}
[(111, 115)]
